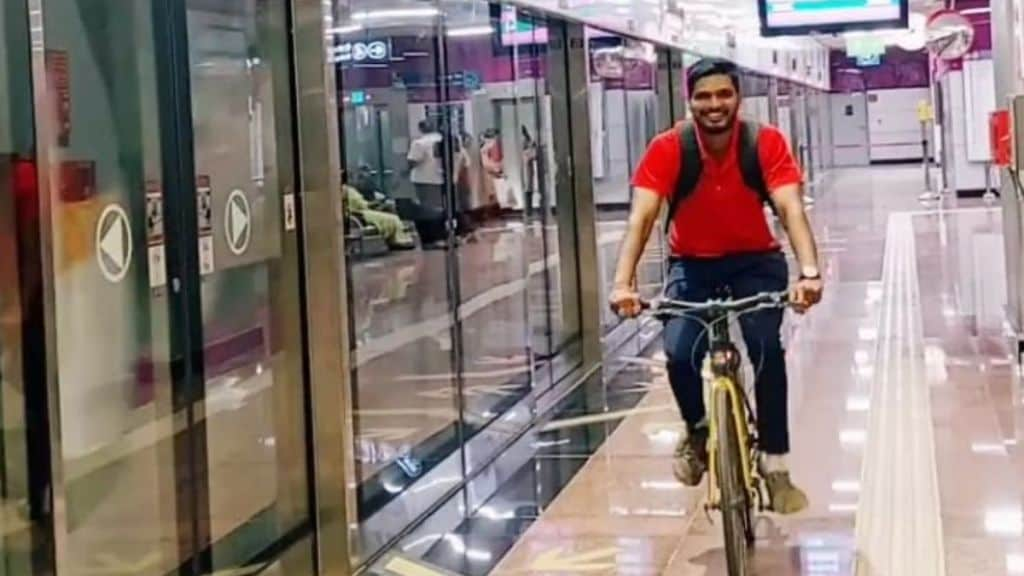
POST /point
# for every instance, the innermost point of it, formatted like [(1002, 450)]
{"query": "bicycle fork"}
[(720, 372)]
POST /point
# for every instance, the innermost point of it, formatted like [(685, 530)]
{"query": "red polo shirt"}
[(722, 216)]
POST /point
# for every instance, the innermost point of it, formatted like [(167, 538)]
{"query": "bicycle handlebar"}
[(762, 300)]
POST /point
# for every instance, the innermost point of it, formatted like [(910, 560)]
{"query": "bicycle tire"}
[(735, 499)]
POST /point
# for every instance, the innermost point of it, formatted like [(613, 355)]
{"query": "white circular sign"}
[(238, 222), (114, 243)]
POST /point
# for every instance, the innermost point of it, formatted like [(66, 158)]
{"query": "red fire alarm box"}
[(999, 138)]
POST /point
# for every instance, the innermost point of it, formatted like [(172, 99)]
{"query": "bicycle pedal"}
[(708, 514)]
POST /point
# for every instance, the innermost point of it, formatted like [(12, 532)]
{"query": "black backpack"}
[(692, 166)]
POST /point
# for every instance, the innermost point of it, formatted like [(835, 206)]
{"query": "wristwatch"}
[(810, 273)]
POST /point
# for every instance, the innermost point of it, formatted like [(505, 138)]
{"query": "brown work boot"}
[(691, 457), (786, 498)]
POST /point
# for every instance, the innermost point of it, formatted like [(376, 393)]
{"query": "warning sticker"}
[(204, 214), (156, 253), (154, 213)]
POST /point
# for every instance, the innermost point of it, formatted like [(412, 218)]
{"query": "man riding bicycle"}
[(716, 174)]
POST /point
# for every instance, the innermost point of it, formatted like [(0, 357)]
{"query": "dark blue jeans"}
[(686, 341)]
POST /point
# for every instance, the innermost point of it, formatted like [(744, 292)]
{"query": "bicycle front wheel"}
[(735, 499)]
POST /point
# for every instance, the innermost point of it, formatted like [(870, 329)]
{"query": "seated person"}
[(389, 224)]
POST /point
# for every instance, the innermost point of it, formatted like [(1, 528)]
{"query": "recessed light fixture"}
[(485, 30), (395, 13)]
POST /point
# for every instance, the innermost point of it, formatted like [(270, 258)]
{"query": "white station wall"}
[(894, 129)]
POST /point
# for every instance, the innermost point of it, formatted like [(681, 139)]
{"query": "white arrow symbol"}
[(114, 243), (237, 225), (557, 561), (239, 221)]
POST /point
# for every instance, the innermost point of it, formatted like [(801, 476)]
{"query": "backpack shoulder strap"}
[(690, 169), (750, 161)]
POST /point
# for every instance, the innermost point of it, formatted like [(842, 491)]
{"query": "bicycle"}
[(734, 482)]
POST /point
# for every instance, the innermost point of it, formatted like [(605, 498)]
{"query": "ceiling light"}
[(1015, 564), (492, 513), (858, 404), (866, 370), (988, 448), (479, 555), (873, 294), (973, 11), (661, 485), (485, 30), (853, 437), (1004, 522), (395, 13), (915, 38), (345, 29), (846, 486)]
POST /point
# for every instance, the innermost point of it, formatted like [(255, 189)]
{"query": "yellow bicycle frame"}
[(730, 386)]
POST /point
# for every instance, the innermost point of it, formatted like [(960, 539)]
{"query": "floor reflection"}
[(623, 512)]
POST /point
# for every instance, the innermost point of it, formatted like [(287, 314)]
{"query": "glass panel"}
[(451, 129), (116, 416), (640, 85), (786, 112), (24, 449), (406, 424), (754, 88), (556, 277), (491, 114), (529, 49), (610, 155), (624, 101), (254, 425)]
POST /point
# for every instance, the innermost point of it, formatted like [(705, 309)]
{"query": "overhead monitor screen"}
[(802, 17)]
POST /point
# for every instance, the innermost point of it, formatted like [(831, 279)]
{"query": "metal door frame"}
[(315, 341), (33, 250), (326, 295)]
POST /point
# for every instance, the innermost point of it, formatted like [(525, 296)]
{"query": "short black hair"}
[(711, 67)]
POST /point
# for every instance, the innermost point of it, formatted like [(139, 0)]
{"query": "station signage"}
[(372, 51)]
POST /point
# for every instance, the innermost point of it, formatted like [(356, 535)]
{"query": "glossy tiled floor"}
[(904, 411)]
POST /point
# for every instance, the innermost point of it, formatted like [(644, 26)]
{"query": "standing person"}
[(426, 163), (720, 240), (493, 164), (467, 170), (529, 170), (427, 177)]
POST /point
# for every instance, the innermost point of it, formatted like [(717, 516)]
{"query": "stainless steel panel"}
[(664, 87), (43, 127), (25, 449), (1017, 131), (1004, 51), (111, 428), (576, 127), (240, 85), (773, 101), (328, 358), (566, 319)]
